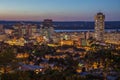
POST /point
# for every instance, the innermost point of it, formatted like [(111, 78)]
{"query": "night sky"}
[(59, 10)]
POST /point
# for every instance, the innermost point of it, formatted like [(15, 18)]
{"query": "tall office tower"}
[(2, 29), (47, 29), (20, 30), (47, 23), (31, 30), (17, 30), (99, 26)]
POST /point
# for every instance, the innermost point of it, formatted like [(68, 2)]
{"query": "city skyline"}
[(58, 10)]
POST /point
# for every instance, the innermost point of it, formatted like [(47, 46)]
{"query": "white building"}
[(99, 26)]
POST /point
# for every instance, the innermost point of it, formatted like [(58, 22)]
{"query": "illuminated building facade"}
[(24, 30), (47, 29), (99, 26), (66, 42), (112, 37), (2, 29)]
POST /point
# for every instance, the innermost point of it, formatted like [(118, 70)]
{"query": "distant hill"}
[(71, 25)]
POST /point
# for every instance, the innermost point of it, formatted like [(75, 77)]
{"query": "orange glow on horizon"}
[(30, 17)]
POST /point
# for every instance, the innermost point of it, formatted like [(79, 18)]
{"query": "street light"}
[(37, 71)]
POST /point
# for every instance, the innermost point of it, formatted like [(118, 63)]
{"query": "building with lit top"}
[(99, 26)]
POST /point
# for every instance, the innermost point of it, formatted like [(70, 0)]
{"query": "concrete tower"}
[(47, 29), (99, 26)]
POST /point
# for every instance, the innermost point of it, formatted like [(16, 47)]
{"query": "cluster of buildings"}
[(101, 35), (55, 58), (45, 33)]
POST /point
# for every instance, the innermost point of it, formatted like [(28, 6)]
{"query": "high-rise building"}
[(24, 30), (99, 26), (47, 29), (17, 30), (2, 29)]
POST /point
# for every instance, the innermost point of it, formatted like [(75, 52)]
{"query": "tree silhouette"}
[(7, 58)]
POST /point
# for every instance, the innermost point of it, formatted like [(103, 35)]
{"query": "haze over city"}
[(58, 10)]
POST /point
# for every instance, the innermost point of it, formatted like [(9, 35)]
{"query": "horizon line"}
[(57, 20)]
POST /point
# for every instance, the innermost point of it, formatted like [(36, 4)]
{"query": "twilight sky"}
[(59, 10)]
